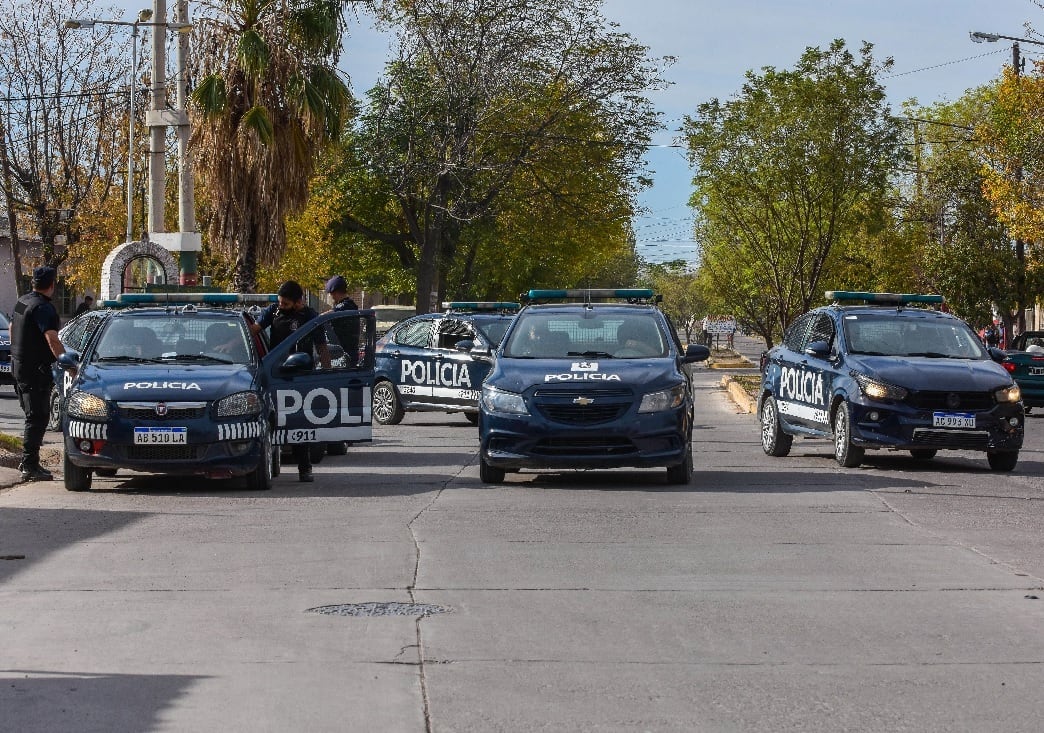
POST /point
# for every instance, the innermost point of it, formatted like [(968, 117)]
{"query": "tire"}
[(316, 451), (105, 472), (337, 448), (923, 454), (260, 479), (54, 415), (76, 478), (385, 405), (682, 473), (490, 474), (472, 417), (277, 460), (1003, 460), (773, 440), (846, 454)]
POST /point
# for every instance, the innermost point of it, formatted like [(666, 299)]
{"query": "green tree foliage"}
[(268, 100), (789, 172), (684, 298), (505, 131)]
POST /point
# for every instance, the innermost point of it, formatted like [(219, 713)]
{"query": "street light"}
[(144, 16)]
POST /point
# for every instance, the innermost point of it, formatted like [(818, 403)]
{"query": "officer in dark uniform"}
[(285, 317), (346, 330), (34, 348)]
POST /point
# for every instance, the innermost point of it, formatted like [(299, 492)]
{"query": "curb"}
[(744, 401)]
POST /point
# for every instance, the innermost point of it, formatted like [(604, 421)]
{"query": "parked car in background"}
[(1025, 363)]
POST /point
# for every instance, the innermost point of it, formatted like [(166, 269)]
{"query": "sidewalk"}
[(51, 453)]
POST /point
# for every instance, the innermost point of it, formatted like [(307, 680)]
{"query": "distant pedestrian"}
[(83, 307), (992, 336), (34, 348)]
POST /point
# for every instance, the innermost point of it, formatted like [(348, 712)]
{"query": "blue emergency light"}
[(591, 293), (888, 298), (481, 305), (124, 299)]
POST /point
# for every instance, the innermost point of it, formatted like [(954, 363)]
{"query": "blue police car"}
[(177, 384), (5, 351), (437, 361), (585, 379), (883, 374)]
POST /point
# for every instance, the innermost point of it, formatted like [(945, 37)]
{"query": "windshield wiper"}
[(197, 357), (128, 357), (599, 354), (931, 355)]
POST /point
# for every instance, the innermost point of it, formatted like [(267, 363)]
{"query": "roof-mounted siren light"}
[(480, 306), (193, 298), (587, 295), (838, 296)]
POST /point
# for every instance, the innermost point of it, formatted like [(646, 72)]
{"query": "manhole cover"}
[(380, 609)]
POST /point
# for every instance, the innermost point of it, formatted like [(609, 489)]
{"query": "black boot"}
[(34, 472)]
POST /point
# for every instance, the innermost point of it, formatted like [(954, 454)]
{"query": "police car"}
[(883, 374), (584, 384), (437, 361), (5, 351), (177, 384)]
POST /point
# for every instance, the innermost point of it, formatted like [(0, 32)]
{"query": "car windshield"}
[(174, 337), (944, 338), (587, 334), (493, 329), (1030, 341)]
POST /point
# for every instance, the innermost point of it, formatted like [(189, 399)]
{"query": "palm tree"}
[(269, 99)]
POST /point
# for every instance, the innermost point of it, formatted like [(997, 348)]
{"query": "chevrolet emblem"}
[(583, 401)]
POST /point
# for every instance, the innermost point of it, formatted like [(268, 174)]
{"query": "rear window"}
[(611, 335)]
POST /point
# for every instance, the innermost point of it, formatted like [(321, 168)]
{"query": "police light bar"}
[(480, 305), (191, 298), (591, 293), (890, 298)]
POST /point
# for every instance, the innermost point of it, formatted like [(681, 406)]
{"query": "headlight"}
[(239, 404), (86, 406), (497, 400), (876, 390), (665, 399), (1008, 394)]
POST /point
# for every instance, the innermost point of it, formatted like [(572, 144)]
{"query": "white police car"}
[(437, 361), (177, 384), (584, 384), (883, 374)]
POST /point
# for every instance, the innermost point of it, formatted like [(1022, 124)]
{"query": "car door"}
[(322, 397), (406, 359), (812, 380), (457, 377), (794, 386)]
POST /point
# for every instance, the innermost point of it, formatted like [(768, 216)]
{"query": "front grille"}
[(970, 439), (582, 414), (951, 400), (163, 452), (173, 413), (593, 446), (603, 405)]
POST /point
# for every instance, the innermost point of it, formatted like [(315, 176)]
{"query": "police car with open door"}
[(177, 384), (873, 370), (437, 361), (589, 379)]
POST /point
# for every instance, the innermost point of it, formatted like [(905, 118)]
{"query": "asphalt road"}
[(770, 594)]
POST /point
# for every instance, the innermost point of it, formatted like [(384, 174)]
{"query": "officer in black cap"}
[(34, 348), (346, 330)]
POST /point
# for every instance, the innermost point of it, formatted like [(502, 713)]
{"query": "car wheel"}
[(490, 474), (316, 451), (1003, 460), (76, 478), (385, 405), (260, 479), (54, 416), (106, 472), (845, 453), (472, 417), (923, 454), (773, 440), (682, 473), (337, 448)]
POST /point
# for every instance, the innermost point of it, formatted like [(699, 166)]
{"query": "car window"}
[(580, 333), (493, 329), (3, 321), (822, 329), (890, 336), (452, 330), (412, 333), (794, 338)]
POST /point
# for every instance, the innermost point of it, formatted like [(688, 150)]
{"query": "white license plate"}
[(160, 436), (1034, 371), (953, 419), (5, 368)]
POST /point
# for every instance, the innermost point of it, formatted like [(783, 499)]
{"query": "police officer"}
[(34, 348), (285, 317), (347, 329)]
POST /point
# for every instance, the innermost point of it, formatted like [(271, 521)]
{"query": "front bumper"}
[(900, 426)]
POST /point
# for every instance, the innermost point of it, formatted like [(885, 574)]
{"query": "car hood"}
[(646, 375), (173, 383), (922, 373)]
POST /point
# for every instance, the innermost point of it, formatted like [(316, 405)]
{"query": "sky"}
[(717, 41)]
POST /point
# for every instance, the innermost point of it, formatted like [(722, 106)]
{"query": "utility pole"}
[(1020, 245)]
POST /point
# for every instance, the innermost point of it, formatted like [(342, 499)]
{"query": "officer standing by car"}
[(347, 331), (34, 348), (285, 317)]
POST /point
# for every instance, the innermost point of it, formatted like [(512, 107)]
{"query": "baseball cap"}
[(336, 283), (43, 277)]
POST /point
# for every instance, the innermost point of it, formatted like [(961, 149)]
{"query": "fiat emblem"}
[(161, 408), (953, 400)]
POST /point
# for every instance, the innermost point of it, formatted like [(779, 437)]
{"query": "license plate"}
[(1034, 371), (160, 436), (953, 419), (6, 368)]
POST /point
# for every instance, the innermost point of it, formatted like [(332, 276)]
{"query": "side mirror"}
[(998, 355), (464, 346), (818, 349), (298, 362), (695, 352), (70, 360)]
